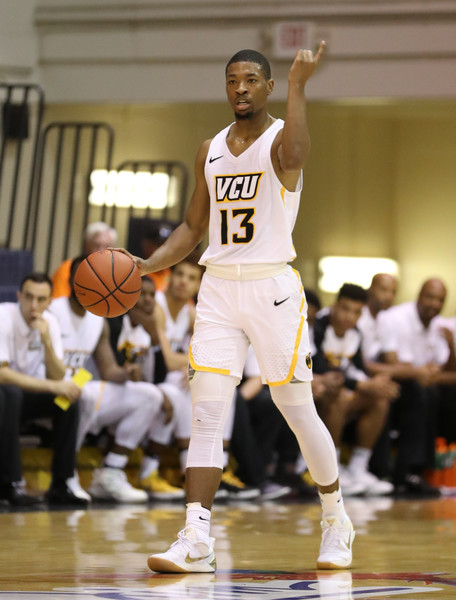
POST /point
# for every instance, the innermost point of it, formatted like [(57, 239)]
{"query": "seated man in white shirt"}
[(364, 398), (31, 375), (416, 352)]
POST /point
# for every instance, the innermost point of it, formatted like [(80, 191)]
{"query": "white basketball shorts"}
[(270, 313)]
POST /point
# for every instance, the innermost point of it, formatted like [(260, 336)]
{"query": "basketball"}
[(107, 283)]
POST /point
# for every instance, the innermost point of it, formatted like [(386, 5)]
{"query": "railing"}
[(45, 180)]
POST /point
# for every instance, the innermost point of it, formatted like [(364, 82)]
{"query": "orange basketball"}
[(107, 283)]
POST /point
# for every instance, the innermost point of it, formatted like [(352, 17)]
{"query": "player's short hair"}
[(251, 56), (312, 298), (352, 291), (36, 277)]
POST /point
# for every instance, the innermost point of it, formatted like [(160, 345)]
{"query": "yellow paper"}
[(80, 378)]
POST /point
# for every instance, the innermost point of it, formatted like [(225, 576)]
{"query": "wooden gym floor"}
[(403, 549)]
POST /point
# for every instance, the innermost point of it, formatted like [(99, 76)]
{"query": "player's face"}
[(146, 300), (184, 281), (385, 292), (431, 301), (33, 299), (345, 314), (247, 89)]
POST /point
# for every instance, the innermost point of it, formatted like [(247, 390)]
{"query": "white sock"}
[(183, 459), (332, 505), (199, 518), (116, 461), (149, 465), (359, 460)]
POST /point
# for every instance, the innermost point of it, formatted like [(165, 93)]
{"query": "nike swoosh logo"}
[(190, 560), (200, 517), (281, 301), (211, 160)]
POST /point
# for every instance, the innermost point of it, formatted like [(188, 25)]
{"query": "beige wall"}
[(380, 180)]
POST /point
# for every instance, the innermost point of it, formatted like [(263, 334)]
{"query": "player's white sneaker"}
[(112, 484), (348, 485), (373, 485), (336, 544), (186, 555)]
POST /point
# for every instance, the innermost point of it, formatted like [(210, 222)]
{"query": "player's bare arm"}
[(34, 385), (291, 147), (106, 360), (173, 360), (189, 233)]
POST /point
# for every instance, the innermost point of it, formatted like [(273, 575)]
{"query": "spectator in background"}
[(96, 236), (416, 352), (380, 297), (363, 398), (157, 232), (31, 375)]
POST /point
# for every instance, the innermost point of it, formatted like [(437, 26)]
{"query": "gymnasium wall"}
[(380, 179)]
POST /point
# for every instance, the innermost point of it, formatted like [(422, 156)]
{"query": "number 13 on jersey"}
[(239, 220)]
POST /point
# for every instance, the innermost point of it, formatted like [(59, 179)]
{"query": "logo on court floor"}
[(206, 587)]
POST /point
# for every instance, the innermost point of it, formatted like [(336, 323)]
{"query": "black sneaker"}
[(414, 485), (61, 495), (14, 495), (299, 486), (235, 488)]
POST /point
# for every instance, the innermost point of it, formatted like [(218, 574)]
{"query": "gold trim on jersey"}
[(294, 360), (230, 184), (205, 369), (100, 396)]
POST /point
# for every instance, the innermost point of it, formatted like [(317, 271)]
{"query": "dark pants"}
[(243, 446), (64, 431), (447, 413), (10, 416), (414, 416)]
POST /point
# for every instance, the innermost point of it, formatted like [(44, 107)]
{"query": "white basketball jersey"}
[(80, 335), (252, 215), (177, 331), (136, 343)]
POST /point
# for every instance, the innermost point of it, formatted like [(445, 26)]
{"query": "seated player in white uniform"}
[(134, 339), (127, 407), (363, 399)]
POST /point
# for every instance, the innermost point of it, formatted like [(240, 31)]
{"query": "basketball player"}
[(116, 402), (248, 184)]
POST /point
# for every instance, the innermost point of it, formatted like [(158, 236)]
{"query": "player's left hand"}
[(305, 64)]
